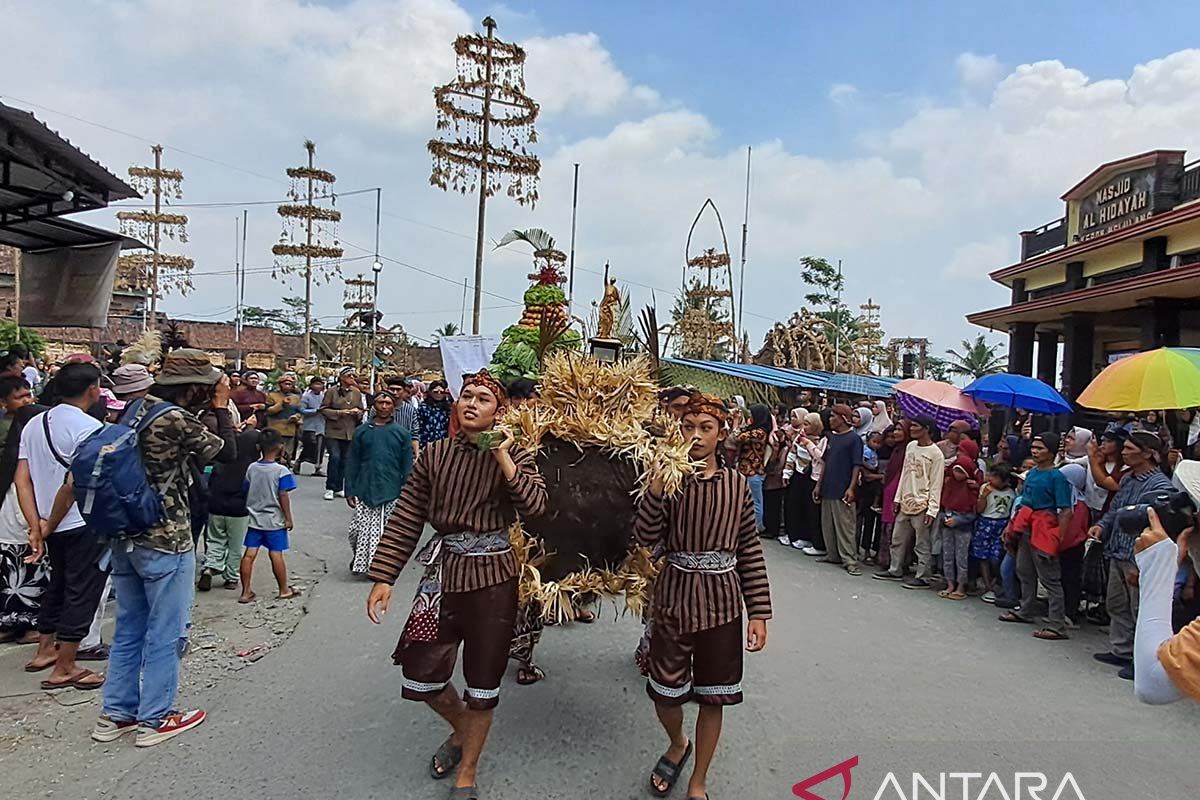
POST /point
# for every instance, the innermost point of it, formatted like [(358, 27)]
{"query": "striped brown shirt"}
[(714, 513), (458, 488)]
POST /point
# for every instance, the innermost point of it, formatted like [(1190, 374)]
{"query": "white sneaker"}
[(109, 730), (812, 551), (785, 541), (340, 493), (329, 494), (800, 544)]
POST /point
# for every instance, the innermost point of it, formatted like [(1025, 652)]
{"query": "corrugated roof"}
[(784, 378)]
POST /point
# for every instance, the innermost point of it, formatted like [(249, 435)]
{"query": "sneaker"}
[(205, 582), (1112, 659), (887, 575), (915, 583), (108, 729), (170, 726), (800, 544), (785, 541), (329, 494), (812, 551), (989, 597), (340, 493)]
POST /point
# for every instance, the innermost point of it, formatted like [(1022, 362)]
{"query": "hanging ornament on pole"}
[(487, 94)]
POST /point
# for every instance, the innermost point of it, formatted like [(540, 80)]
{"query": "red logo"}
[(801, 789)]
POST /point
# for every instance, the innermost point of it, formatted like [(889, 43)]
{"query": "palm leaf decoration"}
[(536, 238)]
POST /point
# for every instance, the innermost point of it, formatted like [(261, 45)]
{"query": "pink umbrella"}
[(940, 394)]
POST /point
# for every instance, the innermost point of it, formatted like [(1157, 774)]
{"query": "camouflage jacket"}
[(167, 445)]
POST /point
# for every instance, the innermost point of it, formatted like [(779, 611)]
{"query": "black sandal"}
[(527, 676), (448, 755), (464, 793), (669, 771)]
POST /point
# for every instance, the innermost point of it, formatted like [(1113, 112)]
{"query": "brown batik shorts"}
[(705, 666), (482, 622)]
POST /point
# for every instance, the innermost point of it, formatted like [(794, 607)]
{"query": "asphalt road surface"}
[(854, 669)]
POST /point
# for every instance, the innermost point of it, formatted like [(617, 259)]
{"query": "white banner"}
[(68, 287), (462, 355)]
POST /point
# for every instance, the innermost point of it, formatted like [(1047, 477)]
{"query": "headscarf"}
[(760, 418), (700, 403), (1082, 437), (796, 417), (816, 420), (865, 418), (882, 421), (1076, 475), (484, 378)]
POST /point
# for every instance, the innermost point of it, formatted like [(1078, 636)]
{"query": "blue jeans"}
[(1008, 577), (154, 607), (756, 492), (335, 474)]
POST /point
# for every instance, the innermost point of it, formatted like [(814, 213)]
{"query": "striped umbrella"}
[(942, 401)]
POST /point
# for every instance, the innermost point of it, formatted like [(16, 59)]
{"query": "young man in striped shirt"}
[(713, 565), (470, 489)]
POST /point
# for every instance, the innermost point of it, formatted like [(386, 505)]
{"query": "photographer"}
[(1142, 480), (1168, 666)]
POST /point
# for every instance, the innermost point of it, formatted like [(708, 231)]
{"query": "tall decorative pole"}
[(156, 272), (488, 92), (319, 225)]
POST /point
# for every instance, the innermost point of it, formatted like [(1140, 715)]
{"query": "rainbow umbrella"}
[(1157, 380)]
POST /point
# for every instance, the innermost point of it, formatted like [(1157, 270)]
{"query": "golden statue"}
[(609, 304)]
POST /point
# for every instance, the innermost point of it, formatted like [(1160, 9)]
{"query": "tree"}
[(843, 328), (937, 369), (287, 320), (11, 334), (976, 359), (449, 329), (825, 280)]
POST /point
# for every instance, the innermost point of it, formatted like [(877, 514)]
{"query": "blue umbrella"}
[(1018, 391)]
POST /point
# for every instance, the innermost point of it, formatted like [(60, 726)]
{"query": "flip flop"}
[(956, 596), (1050, 635), (944, 594), (95, 654), (669, 771), (449, 754), (293, 594), (31, 668), (523, 674), (75, 681), (245, 600), (1009, 616)]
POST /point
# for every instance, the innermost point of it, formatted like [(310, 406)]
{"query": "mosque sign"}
[(1118, 203)]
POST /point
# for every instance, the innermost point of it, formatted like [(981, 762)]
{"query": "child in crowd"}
[(960, 495), (270, 511), (995, 508), (870, 494)]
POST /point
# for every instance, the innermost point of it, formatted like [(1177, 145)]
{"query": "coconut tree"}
[(976, 358), (449, 329)]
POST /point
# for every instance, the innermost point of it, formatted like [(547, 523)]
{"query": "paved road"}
[(854, 667)]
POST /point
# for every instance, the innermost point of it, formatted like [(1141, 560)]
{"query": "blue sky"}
[(911, 140)]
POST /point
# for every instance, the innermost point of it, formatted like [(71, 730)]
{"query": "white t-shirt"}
[(68, 427)]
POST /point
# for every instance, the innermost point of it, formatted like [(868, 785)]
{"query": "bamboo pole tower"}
[(156, 272), (492, 120), (309, 240)]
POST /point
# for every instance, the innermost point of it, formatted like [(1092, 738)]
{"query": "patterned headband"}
[(700, 403), (484, 378)]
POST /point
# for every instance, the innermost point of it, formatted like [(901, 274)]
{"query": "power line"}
[(331, 195)]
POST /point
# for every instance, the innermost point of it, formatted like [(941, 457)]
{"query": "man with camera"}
[(1143, 480)]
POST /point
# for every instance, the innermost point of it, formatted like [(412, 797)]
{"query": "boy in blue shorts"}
[(270, 510)]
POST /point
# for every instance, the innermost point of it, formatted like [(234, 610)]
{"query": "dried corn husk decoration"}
[(147, 350), (612, 406)]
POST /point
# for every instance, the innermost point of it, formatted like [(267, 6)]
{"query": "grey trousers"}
[(839, 523), (910, 531), (1032, 566), (956, 552), (1122, 605)]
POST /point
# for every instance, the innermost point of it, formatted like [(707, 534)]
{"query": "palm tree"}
[(978, 358), (449, 329)]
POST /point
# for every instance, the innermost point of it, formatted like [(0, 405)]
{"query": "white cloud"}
[(976, 72), (843, 94), (937, 197), (575, 72)]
